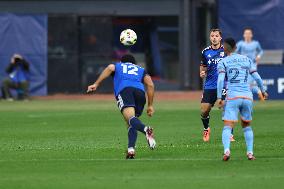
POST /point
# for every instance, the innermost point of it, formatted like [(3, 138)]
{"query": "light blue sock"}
[(249, 138), (226, 138)]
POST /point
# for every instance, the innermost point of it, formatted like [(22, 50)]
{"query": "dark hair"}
[(216, 30), (128, 58), (248, 28), (231, 42)]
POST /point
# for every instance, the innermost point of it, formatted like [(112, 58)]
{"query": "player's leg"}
[(224, 95), (230, 116), (207, 102), (205, 118), (140, 102), (246, 116), (127, 113)]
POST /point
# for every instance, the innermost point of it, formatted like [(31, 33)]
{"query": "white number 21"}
[(129, 69)]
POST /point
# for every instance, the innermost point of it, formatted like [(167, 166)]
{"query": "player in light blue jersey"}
[(252, 49), (239, 98), (129, 81)]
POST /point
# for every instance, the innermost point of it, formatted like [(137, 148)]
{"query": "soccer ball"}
[(128, 37)]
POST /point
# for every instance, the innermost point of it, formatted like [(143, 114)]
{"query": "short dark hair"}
[(216, 30), (231, 42), (248, 28), (128, 58)]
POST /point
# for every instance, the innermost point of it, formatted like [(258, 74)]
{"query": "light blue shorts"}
[(233, 107)]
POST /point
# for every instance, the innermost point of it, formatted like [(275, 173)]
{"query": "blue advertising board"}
[(273, 79)]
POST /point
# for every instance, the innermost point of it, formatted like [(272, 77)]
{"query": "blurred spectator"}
[(18, 71), (252, 49), (249, 47)]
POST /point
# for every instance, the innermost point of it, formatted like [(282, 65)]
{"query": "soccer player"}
[(252, 49), (129, 81), (208, 71), (237, 68)]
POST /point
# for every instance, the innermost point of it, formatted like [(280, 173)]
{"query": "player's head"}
[(248, 34), (128, 58), (215, 37), (229, 45)]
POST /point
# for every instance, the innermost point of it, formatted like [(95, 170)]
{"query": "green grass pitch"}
[(81, 144)]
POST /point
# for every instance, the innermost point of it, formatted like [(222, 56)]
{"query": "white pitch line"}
[(142, 159)]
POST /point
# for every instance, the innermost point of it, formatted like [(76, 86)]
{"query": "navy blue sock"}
[(232, 132), (205, 121), (137, 124), (132, 137)]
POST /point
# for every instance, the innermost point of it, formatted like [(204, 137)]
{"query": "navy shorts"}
[(131, 97), (210, 96)]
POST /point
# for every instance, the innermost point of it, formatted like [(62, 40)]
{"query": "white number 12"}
[(129, 69)]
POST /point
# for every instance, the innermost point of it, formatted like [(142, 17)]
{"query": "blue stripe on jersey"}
[(210, 59), (128, 75)]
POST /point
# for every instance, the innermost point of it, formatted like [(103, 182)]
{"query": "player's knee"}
[(205, 111), (229, 123), (245, 123)]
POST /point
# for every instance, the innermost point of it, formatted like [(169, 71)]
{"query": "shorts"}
[(210, 96), (131, 97), (233, 107)]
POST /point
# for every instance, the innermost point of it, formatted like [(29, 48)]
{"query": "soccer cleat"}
[(206, 134), (232, 139), (250, 156), (226, 156), (130, 154), (150, 138)]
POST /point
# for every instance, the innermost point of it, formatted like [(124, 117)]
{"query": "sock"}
[(132, 137), (226, 138), (137, 124), (205, 121), (232, 132), (249, 138)]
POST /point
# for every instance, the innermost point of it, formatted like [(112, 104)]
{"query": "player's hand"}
[(150, 111), (265, 95), (202, 74), (257, 59), (220, 103), (92, 88)]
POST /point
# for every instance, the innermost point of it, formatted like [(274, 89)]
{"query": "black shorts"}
[(210, 96), (131, 97)]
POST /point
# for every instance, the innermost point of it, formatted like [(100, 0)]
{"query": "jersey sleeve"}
[(221, 67), (238, 50), (203, 60), (259, 49)]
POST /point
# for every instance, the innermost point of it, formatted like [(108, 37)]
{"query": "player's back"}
[(237, 68), (128, 75)]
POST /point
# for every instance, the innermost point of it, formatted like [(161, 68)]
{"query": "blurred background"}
[(69, 42)]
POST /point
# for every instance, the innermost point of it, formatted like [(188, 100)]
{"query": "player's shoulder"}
[(255, 42), (206, 49)]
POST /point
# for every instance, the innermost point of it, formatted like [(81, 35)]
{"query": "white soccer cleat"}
[(150, 138)]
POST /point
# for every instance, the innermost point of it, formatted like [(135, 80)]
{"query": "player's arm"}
[(238, 50), (105, 74), (259, 52), (203, 67), (259, 83), (150, 89), (220, 83)]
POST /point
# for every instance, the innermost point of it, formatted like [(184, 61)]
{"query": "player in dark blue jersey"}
[(208, 71), (129, 81)]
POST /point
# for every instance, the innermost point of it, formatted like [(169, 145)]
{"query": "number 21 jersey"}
[(128, 75), (237, 68)]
